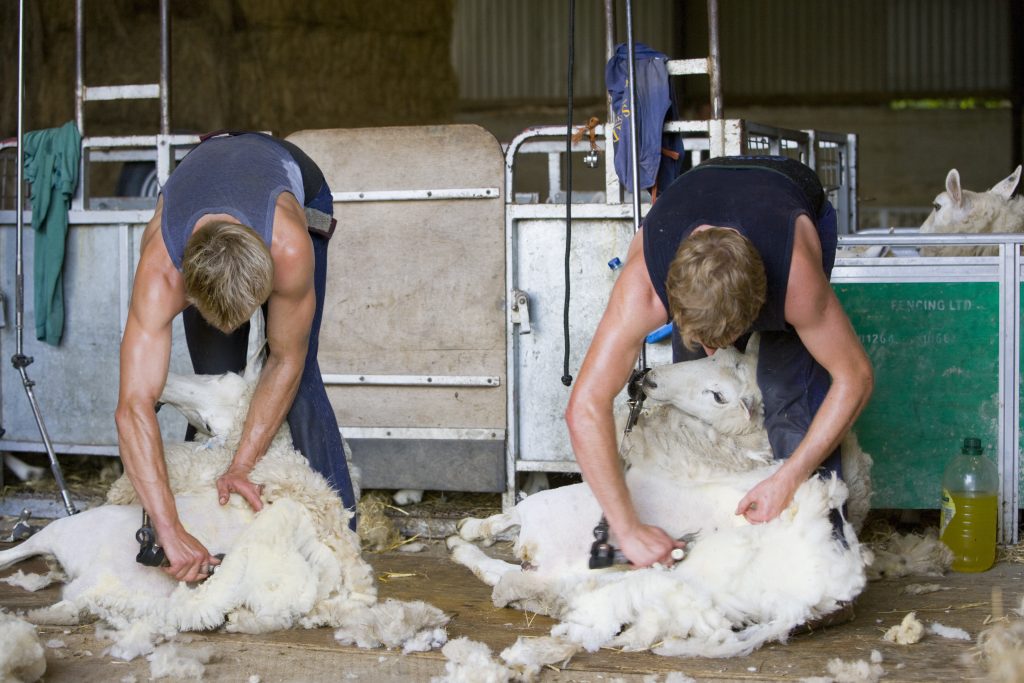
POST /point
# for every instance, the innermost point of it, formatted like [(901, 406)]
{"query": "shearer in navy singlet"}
[(812, 370), (275, 200)]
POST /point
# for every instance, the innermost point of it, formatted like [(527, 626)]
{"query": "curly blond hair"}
[(716, 287), (228, 273)]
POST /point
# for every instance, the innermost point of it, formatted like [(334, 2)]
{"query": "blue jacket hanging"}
[(655, 103)]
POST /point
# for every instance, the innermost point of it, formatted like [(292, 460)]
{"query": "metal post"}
[(80, 65), (613, 191), (20, 361), (165, 70), (78, 200), (164, 151), (633, 146), (714, 61)]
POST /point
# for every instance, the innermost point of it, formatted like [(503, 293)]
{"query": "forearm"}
[(278, 384), (592, 432), (141, 448)]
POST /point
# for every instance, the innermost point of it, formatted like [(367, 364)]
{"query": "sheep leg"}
[(487, 530), (485, 568), (37, 544)]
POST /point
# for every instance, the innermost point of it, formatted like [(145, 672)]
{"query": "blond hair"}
[(716, 287), (228, 273)]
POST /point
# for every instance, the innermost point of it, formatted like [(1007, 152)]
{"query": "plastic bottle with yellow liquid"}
[(970, 487)]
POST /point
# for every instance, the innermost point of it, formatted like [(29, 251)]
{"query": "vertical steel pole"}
[(613, 190), (164, 152), (80, 65), (165, 70), (19, 193), (714, 61), (78, 200), (633, 144), (20, 361)]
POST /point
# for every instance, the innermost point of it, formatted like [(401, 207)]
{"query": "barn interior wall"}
[(284, 67)]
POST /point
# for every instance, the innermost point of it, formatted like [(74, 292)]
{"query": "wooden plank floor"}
[(301, 655)]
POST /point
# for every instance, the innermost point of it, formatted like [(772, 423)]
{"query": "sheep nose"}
[(650, 383)]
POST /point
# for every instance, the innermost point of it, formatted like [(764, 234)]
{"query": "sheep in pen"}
[(958, 210), (690, 459), (295, 563)]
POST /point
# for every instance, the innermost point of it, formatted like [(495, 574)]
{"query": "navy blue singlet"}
[(761, 197), (238, 175)]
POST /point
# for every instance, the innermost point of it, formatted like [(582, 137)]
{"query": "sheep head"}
[(959, 210), (720, 390), (215, 405), (210, 403)]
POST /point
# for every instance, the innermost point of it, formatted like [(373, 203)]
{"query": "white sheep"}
[(961, 211), (691, 459), (295, 563)]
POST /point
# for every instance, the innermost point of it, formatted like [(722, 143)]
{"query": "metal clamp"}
[(521, 310)]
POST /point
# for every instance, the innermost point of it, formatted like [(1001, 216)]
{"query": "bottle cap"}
[(972, 446), (615, 263)]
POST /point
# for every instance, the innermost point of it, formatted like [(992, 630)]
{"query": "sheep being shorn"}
[(696, 452), (961, 211), (295, 563)]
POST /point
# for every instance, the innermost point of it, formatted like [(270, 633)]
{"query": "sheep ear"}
[(1005, 187), (753, 346), (748, 406), (953, 188)]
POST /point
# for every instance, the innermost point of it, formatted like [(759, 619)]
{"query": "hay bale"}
[(260, 64)]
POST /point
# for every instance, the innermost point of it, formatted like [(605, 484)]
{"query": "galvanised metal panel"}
[(76, 382), (539, 259)]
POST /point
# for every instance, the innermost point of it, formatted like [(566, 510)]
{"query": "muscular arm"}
[(825, 330), (157, 296), (289, 318), (634, 309)]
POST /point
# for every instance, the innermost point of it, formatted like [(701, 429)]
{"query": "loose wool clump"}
[(1000, 647), (22, 658), (470, 661), (31, 582), (907, 632), (950, 632), (691, 458), (295, 563), (897, 555), (173, 661)]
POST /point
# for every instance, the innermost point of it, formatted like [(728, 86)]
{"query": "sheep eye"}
[(719, 397), (936, 206)]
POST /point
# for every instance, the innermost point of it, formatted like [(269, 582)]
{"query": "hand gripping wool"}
[(691, 458), (295, 563)]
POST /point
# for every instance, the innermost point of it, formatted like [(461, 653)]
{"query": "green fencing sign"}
[(935, 350)]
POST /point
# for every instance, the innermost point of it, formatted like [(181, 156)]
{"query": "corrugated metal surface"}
[(782, 52), (948, 45), (875, 49), (518, 50)]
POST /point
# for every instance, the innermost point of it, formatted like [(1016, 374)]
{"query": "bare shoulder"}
[(156, 271), (808, 291), (291, 248)]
